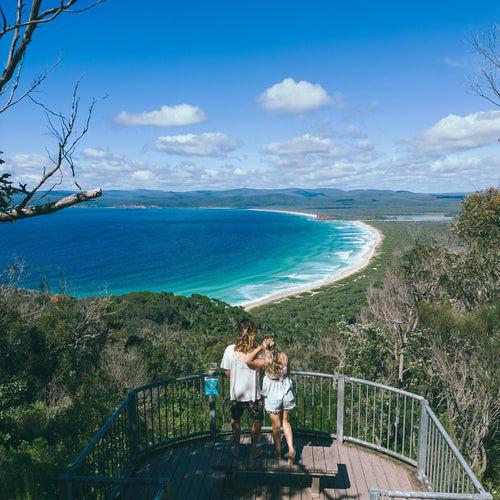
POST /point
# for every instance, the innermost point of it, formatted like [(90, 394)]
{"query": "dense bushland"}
[(424, 315)]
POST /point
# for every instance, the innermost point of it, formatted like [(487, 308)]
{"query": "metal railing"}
[(384, 418)]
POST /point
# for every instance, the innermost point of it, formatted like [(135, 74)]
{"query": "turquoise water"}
[(238, 256)]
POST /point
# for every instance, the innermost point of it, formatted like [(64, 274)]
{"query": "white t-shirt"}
[(244, 382)]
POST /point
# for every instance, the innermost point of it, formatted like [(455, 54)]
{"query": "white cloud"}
[(91, 153), (338, 100), (364, 152), (457, 133), (292, 98), (208, 144), (299, 146), (353, 131), (319, 151), (27, 168), (177, 116)]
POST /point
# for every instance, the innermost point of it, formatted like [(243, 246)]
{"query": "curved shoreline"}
[(367, 257)]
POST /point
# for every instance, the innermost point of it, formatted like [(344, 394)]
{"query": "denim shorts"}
[(276, 405)]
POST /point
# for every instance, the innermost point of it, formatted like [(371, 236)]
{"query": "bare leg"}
[(256, 426), (287, 431), (236, 427), (276, 423)]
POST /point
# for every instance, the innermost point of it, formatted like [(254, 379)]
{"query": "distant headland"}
[(334, 203)]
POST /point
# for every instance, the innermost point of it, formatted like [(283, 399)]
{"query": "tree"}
[(463, 360), (488, 46), (478, 222), (475, 273), (17, 201)]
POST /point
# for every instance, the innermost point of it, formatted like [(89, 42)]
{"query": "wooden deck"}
[(357, 469)]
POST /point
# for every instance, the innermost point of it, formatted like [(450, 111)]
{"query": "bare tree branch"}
[(22, 32), (32, 211), (12, 99), (488, 46), (18, 27)]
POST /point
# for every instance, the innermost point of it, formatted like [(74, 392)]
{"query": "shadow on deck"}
[(188, 466)]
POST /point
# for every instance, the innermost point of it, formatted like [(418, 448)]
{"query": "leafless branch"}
[(22, 32), (488, 46), (12, 99), (18, 29), (17, 213)]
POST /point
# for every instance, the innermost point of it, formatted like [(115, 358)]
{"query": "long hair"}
[(273, 365), (246, 333)]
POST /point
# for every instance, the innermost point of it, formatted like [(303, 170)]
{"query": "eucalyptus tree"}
[(18, 22)]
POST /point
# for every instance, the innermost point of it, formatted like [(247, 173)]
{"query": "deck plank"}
[(354, 479), (367, 461), (358, 468)]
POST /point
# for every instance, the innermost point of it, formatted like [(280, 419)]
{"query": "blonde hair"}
[(246, 333), (273, 366)]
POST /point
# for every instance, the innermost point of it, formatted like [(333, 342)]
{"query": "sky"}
[(197, 95)]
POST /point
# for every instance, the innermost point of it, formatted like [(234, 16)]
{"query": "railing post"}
[(422, 439), (65, 492), (133, 426), (211, 403), (374, 493), (340, 408), (164, 490)]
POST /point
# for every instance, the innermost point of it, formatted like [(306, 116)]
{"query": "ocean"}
[(237, 256)]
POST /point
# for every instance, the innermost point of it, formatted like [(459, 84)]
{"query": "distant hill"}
[(335, 202)]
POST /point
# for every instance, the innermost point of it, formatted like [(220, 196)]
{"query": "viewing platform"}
[(355, 470), (354, 439)]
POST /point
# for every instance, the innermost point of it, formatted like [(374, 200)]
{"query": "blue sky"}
[(222, 95)]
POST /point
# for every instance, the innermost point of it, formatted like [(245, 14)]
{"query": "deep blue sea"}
[(238, 256)]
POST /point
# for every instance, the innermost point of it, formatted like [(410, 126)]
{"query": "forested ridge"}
[(362, 203), (424, 316)]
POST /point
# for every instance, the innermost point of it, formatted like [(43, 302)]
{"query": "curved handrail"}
[(390, 420)]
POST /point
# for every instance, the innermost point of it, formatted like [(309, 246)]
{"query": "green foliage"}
[(67, 363), (478, 222), (7, 191), (366, 355), (475, 272), (314, 314)]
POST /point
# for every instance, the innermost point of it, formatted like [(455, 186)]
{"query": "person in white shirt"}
[(244, 386), (277, 391)]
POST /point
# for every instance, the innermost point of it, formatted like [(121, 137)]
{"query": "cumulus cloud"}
[(27, 168), (177, 116), (299, 146), (293, 98), (91, 153), (208, 144), (321, 151), (353, 131), (458, 133)]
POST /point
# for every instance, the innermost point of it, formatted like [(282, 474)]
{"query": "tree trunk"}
[(401, 365), (22, 213)]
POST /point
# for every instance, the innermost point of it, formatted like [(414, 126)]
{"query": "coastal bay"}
[(366, 258), (239, 256)]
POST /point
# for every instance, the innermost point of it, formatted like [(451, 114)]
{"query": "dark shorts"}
[(255, 409)]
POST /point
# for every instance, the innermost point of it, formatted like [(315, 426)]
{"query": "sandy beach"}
[(278, 297)]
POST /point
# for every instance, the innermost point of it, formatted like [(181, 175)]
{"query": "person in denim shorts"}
[(277, 390), (244, 386)]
